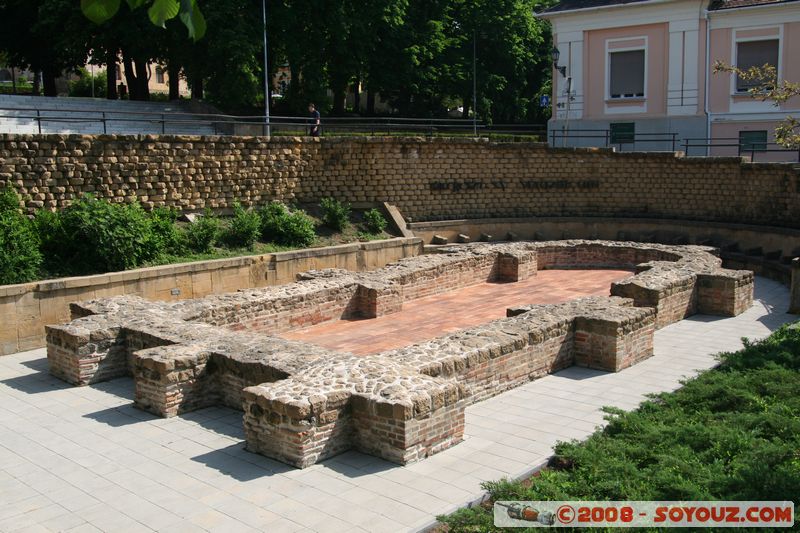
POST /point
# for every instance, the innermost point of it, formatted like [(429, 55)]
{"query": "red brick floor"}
[(434, 316)]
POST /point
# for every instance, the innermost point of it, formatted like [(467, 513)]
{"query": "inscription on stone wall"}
[(537, 185)]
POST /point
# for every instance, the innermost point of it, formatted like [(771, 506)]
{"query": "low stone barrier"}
[(303, 403), (26, 308)]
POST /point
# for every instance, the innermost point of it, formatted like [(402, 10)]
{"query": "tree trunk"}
[(130, 78), (357, 97), (174, 73), (111, 75), (36, 83), (370, 102), (13, 80), (339, 96), (143, 78), (465, 103), (49, 82), (197, 88)]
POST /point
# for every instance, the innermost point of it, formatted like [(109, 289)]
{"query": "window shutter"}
[(755, 54), (627, 74)]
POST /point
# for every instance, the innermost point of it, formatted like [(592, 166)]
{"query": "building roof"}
[(571, 5), (717, 5), (714, 5)]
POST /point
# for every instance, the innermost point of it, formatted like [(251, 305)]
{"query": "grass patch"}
[(731, 433)]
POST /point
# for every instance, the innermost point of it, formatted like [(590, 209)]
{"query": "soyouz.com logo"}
[(644, 514)]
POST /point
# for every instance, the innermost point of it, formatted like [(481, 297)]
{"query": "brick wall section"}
[(427, 179), (406, 441), (303, 403), (27, 308), (724, 295), (333, 294), (414, 397)]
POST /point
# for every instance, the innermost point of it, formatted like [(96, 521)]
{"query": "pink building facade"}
[(638, 74)]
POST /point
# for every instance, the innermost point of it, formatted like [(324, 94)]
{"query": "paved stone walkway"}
[(83, 459), (433, 316)]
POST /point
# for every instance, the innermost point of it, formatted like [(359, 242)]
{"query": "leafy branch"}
[(159, 12), (767, 86)]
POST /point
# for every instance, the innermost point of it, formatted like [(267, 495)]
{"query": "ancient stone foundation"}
[(303, 403)]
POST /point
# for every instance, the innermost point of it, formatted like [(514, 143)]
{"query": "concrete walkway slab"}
[(83, 459)]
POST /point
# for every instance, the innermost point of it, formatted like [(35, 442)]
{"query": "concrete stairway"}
[(87, 116)]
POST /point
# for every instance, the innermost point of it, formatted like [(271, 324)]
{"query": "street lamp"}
[(555, 54), (474, 83), (266, 68)]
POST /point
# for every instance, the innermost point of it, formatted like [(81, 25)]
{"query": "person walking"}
[(314, 116)]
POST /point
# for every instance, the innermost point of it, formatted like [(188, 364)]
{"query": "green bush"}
[(83, 85), (294, 228), (374, 221), (9, 201), (99, 236), (732, 433), (20, 258), (244, 228), (203, 233), (54, 242), (166, 233), (335, 214)]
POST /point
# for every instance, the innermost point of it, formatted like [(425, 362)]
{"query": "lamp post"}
[(266, 69), (474, 83), (555, 54)]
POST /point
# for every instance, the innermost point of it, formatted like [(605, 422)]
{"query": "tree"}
[(769, 87), (511, 49), (36, 34), (228, 61), (159, 12)]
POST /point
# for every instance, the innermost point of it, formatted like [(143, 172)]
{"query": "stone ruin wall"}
[(427, 179), (303, 403)]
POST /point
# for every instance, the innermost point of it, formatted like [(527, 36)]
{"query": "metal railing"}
[(219, 124), (753, 150), (622, 141)]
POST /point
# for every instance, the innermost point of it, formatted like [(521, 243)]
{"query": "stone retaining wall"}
[(427, 179), (303, 403)]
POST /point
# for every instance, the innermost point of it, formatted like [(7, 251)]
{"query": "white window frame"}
[(735, 50), (610, 51)]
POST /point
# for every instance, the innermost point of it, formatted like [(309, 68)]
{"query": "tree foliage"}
[(768, 87), (20, 258), (417, 54), (159, 12)]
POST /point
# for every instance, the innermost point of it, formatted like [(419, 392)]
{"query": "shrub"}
[(294, 228), (53, 241), (83, 85), (335, 214), (730, 433), (374, 221), (202, 234), (244, 228), (165, 232), (98, 236), (9, 201), (20, 258)]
